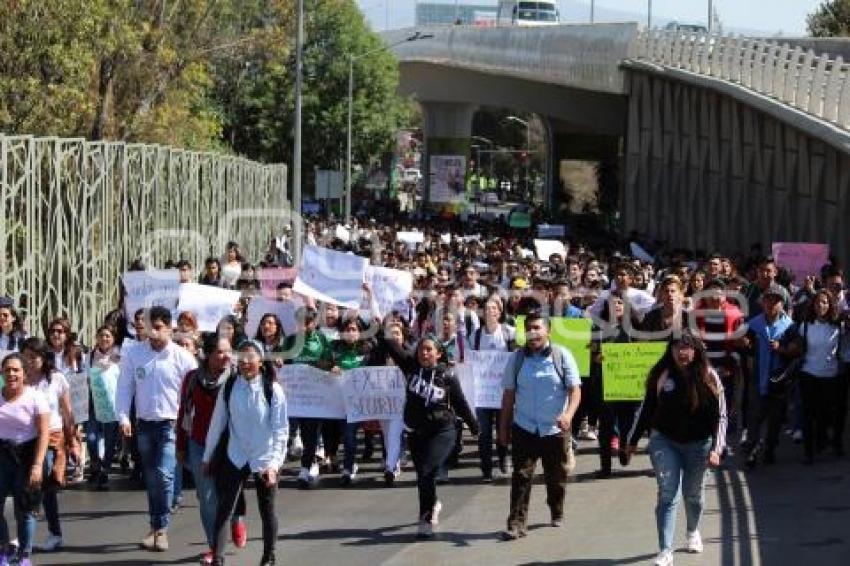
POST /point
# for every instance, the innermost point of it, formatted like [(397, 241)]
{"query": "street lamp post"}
[(297, 234), (351, 59)]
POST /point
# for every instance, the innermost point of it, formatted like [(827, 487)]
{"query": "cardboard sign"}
[(104, 392), (331, 276), (154, 287), (487, 369), (802, 259), (311, 392), (625, 368), (260, 306), (545, 249), (209, 304), (574, 334), (373, 393), (78, 384)]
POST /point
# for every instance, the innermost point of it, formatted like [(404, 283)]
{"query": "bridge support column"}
[(448, 129)]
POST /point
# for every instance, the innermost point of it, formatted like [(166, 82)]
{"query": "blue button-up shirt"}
[(540, 393), (765, 333)]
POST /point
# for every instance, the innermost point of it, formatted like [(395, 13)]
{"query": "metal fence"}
[(814, 84), (76, 213)]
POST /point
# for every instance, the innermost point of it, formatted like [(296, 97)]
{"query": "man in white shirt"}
[(152, 373), (639, 301)]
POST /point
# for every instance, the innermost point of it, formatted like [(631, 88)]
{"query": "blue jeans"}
[(51, 501), (101, 439), (14, 479), (156, 441), (678, 467), (350, 446), (205, 488)]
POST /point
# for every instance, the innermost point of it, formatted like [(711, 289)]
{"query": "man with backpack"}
[(492, 336), (541, 395)]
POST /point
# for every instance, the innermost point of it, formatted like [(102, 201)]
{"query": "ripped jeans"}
[(679, 467)]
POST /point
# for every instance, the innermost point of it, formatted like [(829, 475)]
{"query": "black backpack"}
[(476, 340)]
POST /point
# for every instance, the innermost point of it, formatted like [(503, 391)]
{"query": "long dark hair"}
[(831, 314), (41, 349), (72, 352), (17, 333), (698, 372), (279, 335)]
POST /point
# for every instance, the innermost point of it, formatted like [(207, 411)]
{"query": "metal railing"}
[(74, 214), (817, 85)]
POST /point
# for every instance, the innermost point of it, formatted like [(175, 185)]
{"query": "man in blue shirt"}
[(766, 337), (541, 395)]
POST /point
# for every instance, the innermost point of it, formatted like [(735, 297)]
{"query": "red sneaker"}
[(615, 443), (239, 533), (207, 557)]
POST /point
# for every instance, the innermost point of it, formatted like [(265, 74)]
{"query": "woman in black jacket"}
[(433, 394)]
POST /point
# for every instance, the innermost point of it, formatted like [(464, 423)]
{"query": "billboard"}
[(448, 174)]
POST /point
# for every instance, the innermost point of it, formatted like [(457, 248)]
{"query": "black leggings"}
[(429, 451), (230, 482)]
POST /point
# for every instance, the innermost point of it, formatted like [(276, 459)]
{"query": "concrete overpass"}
[(722, 141)]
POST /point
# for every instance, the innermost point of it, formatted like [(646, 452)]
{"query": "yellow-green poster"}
[(571, 333), (625, 368)]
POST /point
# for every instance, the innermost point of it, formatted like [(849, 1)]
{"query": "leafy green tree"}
[(830, 19)]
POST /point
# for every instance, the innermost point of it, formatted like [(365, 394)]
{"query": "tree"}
[(260, 121), (830, 19)]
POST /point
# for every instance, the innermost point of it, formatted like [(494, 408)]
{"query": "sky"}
[(768, 17)]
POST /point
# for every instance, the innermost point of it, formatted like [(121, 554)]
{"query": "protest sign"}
[(311, 392), (78, 384), (446, 181), (488, 369), (331, 276), (342, 233), (209, 304), (373, 393), (104, 391), (545, 249), (519, 219), (625, 368), (284, 310), (154, 287), (446, 238), (410, 238), (551, 231), (802, 259), (271, 277), (572, 333), (391, 288)]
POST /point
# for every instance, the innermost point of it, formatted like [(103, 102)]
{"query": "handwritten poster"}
[(311, 392), (209, 304), (154, 287), (487, 369), (79, 391), (104, 390), (331, 276), (373, 393), (802, 259), (625, 368)]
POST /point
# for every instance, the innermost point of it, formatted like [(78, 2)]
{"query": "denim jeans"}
[(157, 451), (14, 479), (487, 419), (101, 439), (51, 495), (206, 491), (678, 468)]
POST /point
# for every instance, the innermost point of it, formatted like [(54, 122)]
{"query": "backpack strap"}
[(558, 362), (228, 389), (477, 339)]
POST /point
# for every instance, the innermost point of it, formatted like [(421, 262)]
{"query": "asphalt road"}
[(784, 514)]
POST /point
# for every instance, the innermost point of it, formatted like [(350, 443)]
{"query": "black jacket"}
[(433, 395)]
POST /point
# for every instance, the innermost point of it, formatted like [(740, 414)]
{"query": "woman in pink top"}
[(24, 425)]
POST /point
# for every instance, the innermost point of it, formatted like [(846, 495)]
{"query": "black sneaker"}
[(103, 482), (267, 560), (602, 474), (487, 477), (389, 478)]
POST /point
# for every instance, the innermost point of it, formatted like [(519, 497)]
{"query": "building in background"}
[(441, 13)]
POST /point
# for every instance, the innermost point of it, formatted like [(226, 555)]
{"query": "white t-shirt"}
[(230, 272), (53, 391), (495, 341), (17, 418)]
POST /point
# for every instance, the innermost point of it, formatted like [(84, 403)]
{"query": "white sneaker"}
[(571, 460), (435, 513), (664, 558), (51, 543), (694, 543), (744, 435), (314, 472), (797, 435), (591, 434)]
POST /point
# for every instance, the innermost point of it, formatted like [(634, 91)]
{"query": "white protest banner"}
[(311, 392), (488, 368), (260, 306), (342, 233), (446, 238), (545, 249), (410, 238), (209, 304), (551, 231), (373, 393), (391, 288), (78, 384), (331, 276), (154, 287), (104, 391)]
